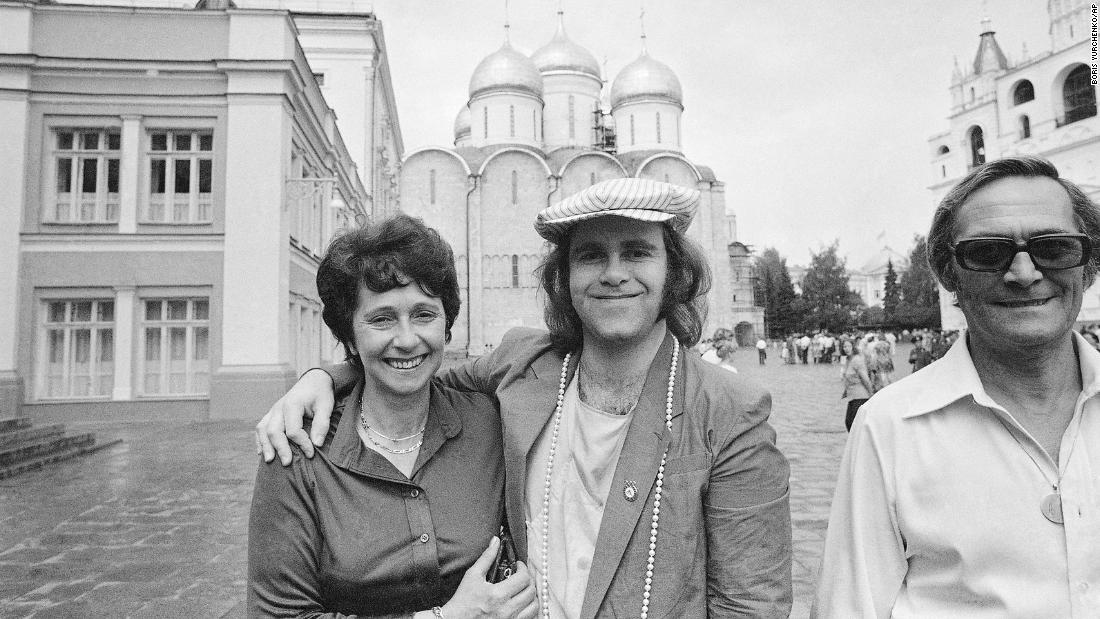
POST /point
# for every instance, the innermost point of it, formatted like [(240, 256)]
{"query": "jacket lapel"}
[(645, 444), (525, 409)]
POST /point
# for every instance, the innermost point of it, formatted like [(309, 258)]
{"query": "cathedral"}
[(1040, 104), (539, 128)]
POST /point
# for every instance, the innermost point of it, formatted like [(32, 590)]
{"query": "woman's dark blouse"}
[(346, 533)]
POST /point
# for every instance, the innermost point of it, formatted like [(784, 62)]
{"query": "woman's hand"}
[(476, 598), (311, 396)]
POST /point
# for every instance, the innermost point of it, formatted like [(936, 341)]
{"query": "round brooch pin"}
[(630, 491)]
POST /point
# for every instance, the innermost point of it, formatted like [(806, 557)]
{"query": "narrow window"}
[(977, 147), (512, 121), (515, 271), (1025, 127), (515, 188), (632, 130), (431, 186), (658, 127), (591, 179), (572, 129), (485, 121)]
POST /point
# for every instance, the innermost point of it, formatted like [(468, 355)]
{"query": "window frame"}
[(105, 204), (195, 155), (164, 325), (95, 325)]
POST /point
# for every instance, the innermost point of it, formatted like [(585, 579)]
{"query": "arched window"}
[(572, 130), (591, 179), (971, 94), (515, 271), (515, 188), (632, 130), (1023, 93), (1078, 95), (977, 147), (431, 186), (1025, 127), (943, 170), (485, 121), (658, 127), (943, 150), (511, 121)]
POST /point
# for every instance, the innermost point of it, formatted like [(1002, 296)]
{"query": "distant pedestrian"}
[(762, 350), (725, 356), (920, 356), (857, 382)]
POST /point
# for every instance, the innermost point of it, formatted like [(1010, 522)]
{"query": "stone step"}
[(55, 456), (11, 424), (29, 450), (30, 434)]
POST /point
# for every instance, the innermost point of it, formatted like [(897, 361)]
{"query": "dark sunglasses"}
[(1050, 252)]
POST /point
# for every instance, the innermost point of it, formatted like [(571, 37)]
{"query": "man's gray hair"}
[(941, 235)]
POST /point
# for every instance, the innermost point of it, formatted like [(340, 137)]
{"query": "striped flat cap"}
[(636, 198)]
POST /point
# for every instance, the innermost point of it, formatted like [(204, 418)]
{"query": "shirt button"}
[(414, 493), (424, 538)]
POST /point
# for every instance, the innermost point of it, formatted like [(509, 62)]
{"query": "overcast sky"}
[(816, 115)]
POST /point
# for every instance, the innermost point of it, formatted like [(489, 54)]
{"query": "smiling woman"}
[(388, 518)]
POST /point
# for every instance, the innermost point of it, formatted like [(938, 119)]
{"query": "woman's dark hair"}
[(384, 255), (684, 306), (941, 236)]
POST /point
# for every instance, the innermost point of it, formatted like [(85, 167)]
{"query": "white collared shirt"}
[(936, 511)]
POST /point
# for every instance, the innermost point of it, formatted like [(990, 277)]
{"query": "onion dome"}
[(506, 69), (462, 123), (562, 54), (646, 78)]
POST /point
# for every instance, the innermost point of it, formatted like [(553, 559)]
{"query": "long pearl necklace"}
[(544, 591)]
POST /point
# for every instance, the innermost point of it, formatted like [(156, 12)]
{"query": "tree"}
[(891, 295), (775, 293), (920, 294), (827, 302)]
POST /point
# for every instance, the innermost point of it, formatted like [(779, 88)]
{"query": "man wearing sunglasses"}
[(972, 488)]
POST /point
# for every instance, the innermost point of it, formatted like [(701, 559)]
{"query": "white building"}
[(171, 177), (869, 280), (1042, 105), (534, 130)]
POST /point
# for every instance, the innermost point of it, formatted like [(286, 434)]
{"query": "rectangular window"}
[(86, 163), (180, 165), (176, 347), (79, 354)]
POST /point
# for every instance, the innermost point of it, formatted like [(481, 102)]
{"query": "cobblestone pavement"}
[(156, 526)]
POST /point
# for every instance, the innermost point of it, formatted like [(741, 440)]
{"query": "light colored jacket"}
[(724, 542)]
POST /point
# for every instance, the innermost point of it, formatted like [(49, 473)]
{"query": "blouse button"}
[(424, 538), (414, 493)]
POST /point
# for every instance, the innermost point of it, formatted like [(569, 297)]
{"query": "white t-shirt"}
[(589, 444)]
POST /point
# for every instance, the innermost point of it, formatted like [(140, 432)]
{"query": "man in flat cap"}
[(640, 480)]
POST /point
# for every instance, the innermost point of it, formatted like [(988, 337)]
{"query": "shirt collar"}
[(954, 377)]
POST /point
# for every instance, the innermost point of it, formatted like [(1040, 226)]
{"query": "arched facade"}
[(533, 132), (1042, 105)]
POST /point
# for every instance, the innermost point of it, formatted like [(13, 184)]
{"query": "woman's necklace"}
[(367, 432), (1051, 504), (544, 591)]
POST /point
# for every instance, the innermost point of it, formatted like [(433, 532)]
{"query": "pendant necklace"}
[(544, 590), (1051, 505)]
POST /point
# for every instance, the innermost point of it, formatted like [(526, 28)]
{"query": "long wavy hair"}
[(683, 306)]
